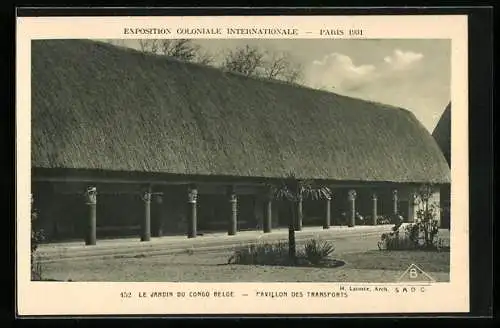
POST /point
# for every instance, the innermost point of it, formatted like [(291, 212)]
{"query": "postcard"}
[(209, 165)]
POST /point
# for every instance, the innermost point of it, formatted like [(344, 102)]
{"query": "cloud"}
[(399, 76), (401, 60), (339, 71), (344, 63)]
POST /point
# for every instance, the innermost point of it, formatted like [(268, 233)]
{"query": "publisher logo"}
[(415, 274)]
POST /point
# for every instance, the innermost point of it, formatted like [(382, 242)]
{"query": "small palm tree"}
[(294, 190)]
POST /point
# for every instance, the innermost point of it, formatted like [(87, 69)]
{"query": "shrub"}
[(383, 220), (425, 231), (415, 236), (264, 253), (316, 251), (424, 234), (396, 242), (441, 244), (393, 240), (380, 220), (37, 236)]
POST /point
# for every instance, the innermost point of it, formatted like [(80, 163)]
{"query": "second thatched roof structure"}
[(99, 107), (442, 133)]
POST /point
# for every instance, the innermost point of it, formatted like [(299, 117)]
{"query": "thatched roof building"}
[(442, 133), (99, 107)]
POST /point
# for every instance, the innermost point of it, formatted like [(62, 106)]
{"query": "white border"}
[(46, 298)]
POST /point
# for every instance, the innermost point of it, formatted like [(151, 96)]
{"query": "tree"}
[(147, 45), (186, 50), (117, 42), (204, 57), (294, 190), (246, 60), (182, 49), (280, 66), (252, 61)]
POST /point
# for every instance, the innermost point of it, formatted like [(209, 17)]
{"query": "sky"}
[(412, 74)]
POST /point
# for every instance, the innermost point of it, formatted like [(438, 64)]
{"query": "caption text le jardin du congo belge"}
[(342, 292)]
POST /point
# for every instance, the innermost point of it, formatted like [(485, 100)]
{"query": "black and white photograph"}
[(240, 160), (217, 165)]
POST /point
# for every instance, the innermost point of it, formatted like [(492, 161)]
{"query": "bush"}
[(413, 238), (394, 242), (441, 244), (424, 234), (383, 220), (264, 253), (380, 220), (316, 251), (37, 236)]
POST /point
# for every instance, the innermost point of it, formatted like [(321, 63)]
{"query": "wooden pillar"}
[(352, 212), (45, 202), (233, 214), (445, 203), (91, 233), (374, 209), (300, 215), (156, 220), (436, 198), (412, 198), (146, 220), (268, 215), (275, 222), (395, 209), (192, 215), (258, 212), (326, 224)]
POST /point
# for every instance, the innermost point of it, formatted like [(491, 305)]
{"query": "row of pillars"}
[(352, 211), (91, 231), (193, 217), (233, 215), (91, 193)]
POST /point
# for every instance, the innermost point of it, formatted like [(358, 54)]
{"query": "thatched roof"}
[(97, 106), (442, 133)]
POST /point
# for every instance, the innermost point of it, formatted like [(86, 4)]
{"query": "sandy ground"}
[(364, 263)]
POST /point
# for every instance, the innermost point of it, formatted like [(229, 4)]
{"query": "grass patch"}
[(430, 261)]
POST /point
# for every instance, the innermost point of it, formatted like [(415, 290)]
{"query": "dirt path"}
[(210, 267)]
